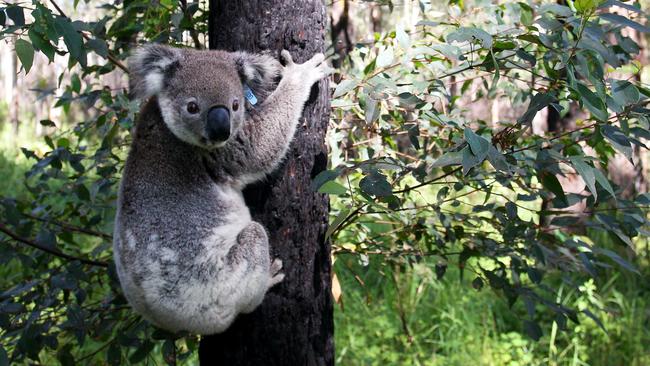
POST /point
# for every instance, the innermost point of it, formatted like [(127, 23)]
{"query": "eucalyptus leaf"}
[(25, 53), (586, 172), (472, 35)]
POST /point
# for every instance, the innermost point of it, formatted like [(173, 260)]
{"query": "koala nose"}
[(218, 124)]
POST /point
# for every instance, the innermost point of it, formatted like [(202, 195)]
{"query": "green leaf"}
[(618, 139), (41, 43), (466, 34), (621, 20), (71, 37), (449, 51), (385, 57), (594, 104), (586, 172), (537, 103), (323, 177), (344, 87), (449, 158), (25, 53), (99, 46), (550, 182), (630, 7), (376, 184), (511, 210), (477, 144), (372, 109), (46, 239), (4, 359), (526, 14), (477, 283), (604, 182), (593, 317), (114, 355), (334, 188), (337, 222), (556, 9), (75, 83), (616, 258), (522, 54), (624, 92), (470, 160), (402, 37), (586, 6), (16, 14), (142, 352), (169, 352), (532, 330), (497, 159)]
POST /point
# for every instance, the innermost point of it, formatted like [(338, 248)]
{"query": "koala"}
[(187, 253)]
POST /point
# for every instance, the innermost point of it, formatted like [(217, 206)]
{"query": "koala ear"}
[(149, 66), (259, 71)]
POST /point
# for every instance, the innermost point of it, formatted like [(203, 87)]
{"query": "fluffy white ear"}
[(149, 66), (259, 71)]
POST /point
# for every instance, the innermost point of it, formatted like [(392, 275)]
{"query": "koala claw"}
[(276, 266), (316, 59), (276, 276), (286, 57)]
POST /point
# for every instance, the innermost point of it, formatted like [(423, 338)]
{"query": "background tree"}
[(294, 325)]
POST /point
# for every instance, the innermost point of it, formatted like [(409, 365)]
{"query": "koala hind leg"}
[(250, 255)]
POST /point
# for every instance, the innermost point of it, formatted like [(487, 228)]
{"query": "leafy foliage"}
[(425, 180)]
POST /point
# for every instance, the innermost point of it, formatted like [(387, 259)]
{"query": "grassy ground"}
[(411, 318)]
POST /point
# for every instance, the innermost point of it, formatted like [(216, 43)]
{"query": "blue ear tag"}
[(248, 93)]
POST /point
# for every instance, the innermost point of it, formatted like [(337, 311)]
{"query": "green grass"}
[(414, 319)]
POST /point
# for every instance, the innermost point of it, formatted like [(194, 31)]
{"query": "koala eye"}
[(193, 108), (235, 105)]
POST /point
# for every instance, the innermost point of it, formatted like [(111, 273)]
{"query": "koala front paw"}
[(275, 275), (307, 73)]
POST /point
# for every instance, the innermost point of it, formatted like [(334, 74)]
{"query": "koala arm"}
[(267, 132)]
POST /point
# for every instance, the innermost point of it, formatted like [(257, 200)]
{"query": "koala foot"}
[(276, 276), (307, 73)]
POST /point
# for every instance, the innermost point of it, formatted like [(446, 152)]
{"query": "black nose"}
[(218, 126)]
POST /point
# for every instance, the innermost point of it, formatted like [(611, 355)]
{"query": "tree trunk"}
[(294, 325)]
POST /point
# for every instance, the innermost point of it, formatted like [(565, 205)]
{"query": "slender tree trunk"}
[(294, 325)]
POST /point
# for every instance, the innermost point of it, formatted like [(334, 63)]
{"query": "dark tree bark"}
[(342, 33), (294, 325)]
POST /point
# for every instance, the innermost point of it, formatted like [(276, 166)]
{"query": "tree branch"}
[(4, 229), (114, 60), (69, 227)]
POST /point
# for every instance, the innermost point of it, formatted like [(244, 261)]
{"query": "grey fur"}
[(188, 255)]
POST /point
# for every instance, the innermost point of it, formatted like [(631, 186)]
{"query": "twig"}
[(428, 181), (114, 60), (55, 252), (70, 227)]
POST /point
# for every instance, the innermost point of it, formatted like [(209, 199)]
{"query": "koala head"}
[(201, 93)]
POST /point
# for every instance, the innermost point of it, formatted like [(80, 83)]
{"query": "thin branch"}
[(551, 139), (114, 60), (69, 227), (54, 252), (428, 181)]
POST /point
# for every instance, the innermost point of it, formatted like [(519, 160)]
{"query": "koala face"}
[(200, 93)]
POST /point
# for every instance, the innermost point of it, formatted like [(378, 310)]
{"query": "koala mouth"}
[(218, 124)]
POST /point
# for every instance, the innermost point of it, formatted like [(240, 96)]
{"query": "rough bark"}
[(294, 325)]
